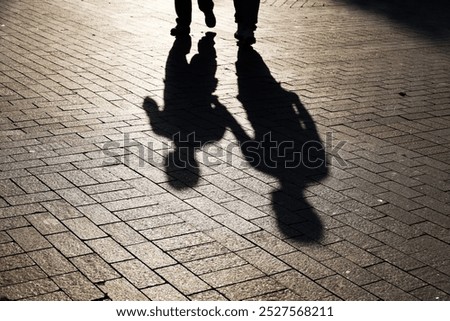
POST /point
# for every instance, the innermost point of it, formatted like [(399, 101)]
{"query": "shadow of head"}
[(182, 168)]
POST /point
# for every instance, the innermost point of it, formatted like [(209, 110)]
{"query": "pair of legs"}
[(246, 17), (183, 8)]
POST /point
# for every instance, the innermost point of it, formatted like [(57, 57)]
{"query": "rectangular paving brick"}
[(222, 182), (68, 244), (270, 243), (4, 237), (361, 209), (400, 201), (365, 197), (345, 289), (264, 261), (78, 178), (430, 293), (399, 228), (399, 214), (354, 253), (200, 221), (215, 263), (433, 216), (83, 228), (29, 289), (136, 202), (109, 250), (101, 175), (146, 186), (304, 287), (78, 287), (182, 279), (164, 292), (10, 248), (98, 214), (244, 210), (158, 221), (250, 197), (52, 262), (19, 210), (94, 268), (249, 289), (214, 193), (359, 223), (123, 194), (9, 188), (306, 265), (351, 271), (387, 292), (397, 258), (397, 277), (207, 206), (168, 231), (151, 255), (138, 273), (46, 223), (434, 230), (13, 222), (231, 275), (29, 238), (105, 187), (210, 295), (182, 241), (75, 196), (15, 262), (21, 275), (198, 252), (432, 276), (123, 233), (61, 209), (122, 290), (433, 204), (32, 198), (236, 223), (229, 239), (31, 184)]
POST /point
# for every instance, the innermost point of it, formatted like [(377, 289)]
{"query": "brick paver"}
[(93, 92)]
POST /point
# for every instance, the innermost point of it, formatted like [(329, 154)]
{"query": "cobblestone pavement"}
[(94, 204)]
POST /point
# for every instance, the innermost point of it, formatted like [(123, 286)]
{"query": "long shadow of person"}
[(286, 144), (189, 115)]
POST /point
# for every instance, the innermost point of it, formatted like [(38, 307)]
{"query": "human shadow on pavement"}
[(190, 115), (430, 17), (286, 145)]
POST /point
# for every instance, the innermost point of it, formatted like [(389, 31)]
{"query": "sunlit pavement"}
[(100, 105)]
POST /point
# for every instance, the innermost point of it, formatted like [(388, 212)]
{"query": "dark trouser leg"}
[(205, 5), (183, 8), (246, 12)]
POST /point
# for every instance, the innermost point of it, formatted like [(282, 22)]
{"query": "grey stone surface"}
[(90, 100)]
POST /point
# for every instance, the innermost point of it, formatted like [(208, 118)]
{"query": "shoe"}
[(210, 19), (245, 36), (180, 31)]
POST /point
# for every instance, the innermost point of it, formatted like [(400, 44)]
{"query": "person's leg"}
[(253, 13), (183, 9), (246, 17), (206, 6)]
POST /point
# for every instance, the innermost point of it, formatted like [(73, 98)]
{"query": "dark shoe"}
[(245, 36), (210, 19), (180, 31)]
